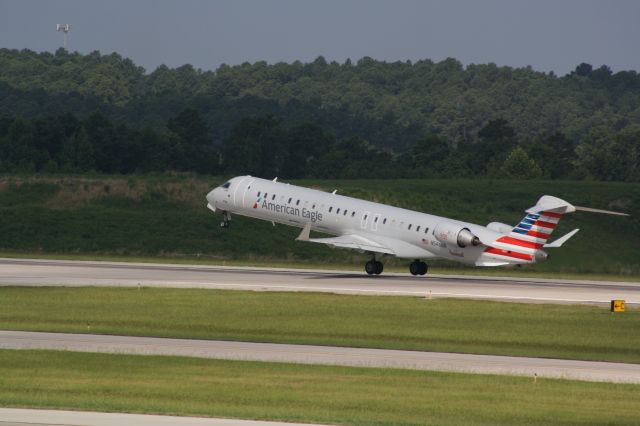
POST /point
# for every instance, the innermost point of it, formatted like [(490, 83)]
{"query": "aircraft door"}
[(238, 186), (365, 219), (246, 192)]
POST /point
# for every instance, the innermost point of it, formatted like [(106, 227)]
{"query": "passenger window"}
[(289, 200), (426, 230), (266, 195), (365, 216), (345, 213), (259, 192), (418, 228), (338, 210), (273, 197), (298, 203), (375, 219), (384, 221), (409, 227), (330, 208), (313, 207), (353, 214)]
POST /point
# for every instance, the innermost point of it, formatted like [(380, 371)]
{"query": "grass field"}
[(303, 393), (448, 325), (165, 217)]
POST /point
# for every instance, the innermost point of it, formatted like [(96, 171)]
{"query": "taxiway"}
[(326, 355)]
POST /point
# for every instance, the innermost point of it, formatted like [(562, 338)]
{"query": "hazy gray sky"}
[(546, 34)]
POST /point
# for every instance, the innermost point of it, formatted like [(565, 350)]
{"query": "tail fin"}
[(536, 227)]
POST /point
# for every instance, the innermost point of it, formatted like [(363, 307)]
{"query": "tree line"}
[(68, 112), (263, 145), (391, 105)]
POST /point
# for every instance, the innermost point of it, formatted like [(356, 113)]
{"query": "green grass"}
[(448, 325), (165, 217), (303, 393)]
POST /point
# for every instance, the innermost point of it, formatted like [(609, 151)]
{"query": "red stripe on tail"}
[(509, 253), (539, 235), (545, 224), (517, 242), (556, 215)]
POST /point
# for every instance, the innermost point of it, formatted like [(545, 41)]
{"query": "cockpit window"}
[(226, 185)]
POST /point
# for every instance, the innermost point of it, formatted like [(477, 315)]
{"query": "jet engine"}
[(448, 232)]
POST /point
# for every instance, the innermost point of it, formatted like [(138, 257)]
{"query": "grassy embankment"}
[(303, 393), (164, 217), (554, 331)]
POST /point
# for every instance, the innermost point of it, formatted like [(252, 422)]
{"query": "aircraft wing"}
[(369, 243), (353, 241)]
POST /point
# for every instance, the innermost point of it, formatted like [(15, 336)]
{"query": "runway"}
[(327, 355), (22, 417), (35, 272)]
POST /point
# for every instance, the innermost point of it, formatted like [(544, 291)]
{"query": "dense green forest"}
[(68, 112)]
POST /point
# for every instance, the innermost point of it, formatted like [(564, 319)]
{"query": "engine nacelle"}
[(499, 227), (447, 232)]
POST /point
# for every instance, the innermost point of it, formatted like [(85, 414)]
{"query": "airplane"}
[(379, 229)]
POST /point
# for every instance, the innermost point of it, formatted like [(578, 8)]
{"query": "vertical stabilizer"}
[(525, 241), (536, 227)]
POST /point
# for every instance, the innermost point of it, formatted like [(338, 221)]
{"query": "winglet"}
[(560, 241), (304, 234), (553, 204)]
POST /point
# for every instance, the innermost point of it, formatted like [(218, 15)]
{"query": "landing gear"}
[(418, 268), (226, 220), (373, 267)]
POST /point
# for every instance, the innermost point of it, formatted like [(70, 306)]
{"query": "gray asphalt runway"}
[(307, 354), (21, 417), (34, 272)]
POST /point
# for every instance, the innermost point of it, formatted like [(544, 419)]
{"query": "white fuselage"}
[(411, 233)]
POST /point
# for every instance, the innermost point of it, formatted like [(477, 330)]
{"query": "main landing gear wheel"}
[(373, 267), (418, 268)]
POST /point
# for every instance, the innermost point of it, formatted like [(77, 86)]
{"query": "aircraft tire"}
[(423, 268), (414, 268), (370, 267), (379, 267)]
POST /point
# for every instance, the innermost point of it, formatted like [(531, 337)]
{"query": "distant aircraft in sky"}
[(380, 229)]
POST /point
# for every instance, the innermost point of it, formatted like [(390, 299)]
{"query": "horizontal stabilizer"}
[(560, 241), (548, 203), (589, 209)]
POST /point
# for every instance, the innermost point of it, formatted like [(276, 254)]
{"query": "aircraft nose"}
[(211, 197)]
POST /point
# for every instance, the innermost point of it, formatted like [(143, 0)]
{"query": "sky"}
[(549, 35)]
